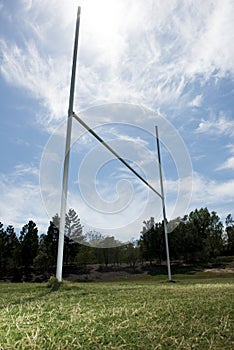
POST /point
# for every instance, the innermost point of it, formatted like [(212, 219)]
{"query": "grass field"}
[(125, 315)]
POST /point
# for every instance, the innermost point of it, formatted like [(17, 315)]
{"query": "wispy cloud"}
[(217, 125), (228, 164), (25, 67), (196, 102), (212, 51), (19, 141), (230, 147), (149, 59), (211, 192), (205, 192), (161, 54), (21, 198), (25, 170)]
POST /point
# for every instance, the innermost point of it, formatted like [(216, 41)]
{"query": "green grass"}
[(128, 315)]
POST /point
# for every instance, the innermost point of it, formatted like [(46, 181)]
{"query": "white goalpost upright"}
[(67, 155), (71, 114)]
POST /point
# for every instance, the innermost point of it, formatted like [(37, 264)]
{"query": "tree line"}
[(197, 237)]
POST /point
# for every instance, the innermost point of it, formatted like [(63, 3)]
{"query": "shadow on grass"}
[(39, 296)]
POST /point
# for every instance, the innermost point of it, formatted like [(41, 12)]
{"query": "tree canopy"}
[(199, 236)]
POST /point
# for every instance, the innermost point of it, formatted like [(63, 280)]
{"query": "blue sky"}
[(140, 64)]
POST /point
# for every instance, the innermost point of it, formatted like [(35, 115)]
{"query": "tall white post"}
[(163, 208), (67, 156)]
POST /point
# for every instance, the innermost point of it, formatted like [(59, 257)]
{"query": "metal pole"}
[(67, 156), (163, 208), (91, 131)]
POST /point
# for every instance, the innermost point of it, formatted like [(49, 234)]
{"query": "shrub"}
[(53, 283)]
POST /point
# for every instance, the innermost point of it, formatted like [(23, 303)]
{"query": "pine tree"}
[(13, 249), (73, 228), (3, 248), (230, 234), (51, 240), (29, 243)]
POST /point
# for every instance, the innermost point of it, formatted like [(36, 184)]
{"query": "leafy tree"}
[(146, 240), (94, 238), (214, 239), (186, 242), (204, 233), (131, 253), (197, 237), (176, 239), (85, 256), (105, 247), (151, 241)]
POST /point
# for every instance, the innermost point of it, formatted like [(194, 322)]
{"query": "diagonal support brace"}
[(91, 131)]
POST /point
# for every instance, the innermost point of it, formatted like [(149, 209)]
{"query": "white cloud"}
[(216, 195), (228, 164), (209, 191), (147, 53), (206, 192), (28, 69), (220, 125), (212, 49), (25, 170), (230, 147), (150, 58), (21, 199), (19, 192), (196, 102)]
